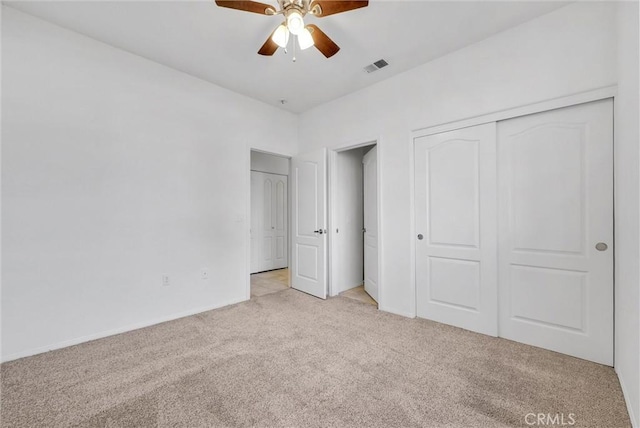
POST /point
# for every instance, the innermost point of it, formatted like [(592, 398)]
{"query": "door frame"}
[(247, 267), (333, 212), (524, 110)]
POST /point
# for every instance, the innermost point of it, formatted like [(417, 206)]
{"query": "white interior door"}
[(267, 238), (257, 190), (308, 194), (556, 230), (279, 221), (268, 221), (370, 175), (455, 203)]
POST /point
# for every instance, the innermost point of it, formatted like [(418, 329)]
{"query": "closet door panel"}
[(280, 208), (556, 230), (257, 190), (268, 243), (269, 225), (456, 228)]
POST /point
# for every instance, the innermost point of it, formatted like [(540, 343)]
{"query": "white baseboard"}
[(103, 334), (632, 416)]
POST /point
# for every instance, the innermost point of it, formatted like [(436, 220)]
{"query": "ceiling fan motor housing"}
[(302, 6)]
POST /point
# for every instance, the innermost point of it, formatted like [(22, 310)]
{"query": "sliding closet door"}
[(455, 203), (269, 238), (556, 230), (257, 191), (279, 222)]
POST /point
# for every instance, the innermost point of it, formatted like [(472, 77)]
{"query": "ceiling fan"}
[(294, 12)]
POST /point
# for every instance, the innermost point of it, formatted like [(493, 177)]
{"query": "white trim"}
[(379, 175), (101, 335), (412, 226), (247, 266), (332, 259), (327, 257), (527, 109), (354, 144), (289, 225), (265, 152), (510, 113), (625, 394), (272, 173), (247, 226)]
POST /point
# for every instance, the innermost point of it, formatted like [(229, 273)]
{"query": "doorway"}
[(318, 255), (354, 224), (269, 232)]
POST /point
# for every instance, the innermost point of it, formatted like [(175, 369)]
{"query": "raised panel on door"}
[(455, 196), (257, 191), (370, 175), (453, 201), (280, 208), (269, 234), (308, 256), (556, 204), (267, 223)]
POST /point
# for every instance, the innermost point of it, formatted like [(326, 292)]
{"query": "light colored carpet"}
[(289, 359)]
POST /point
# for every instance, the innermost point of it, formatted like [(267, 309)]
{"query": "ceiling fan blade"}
[(270, 47), (322, 41), (248, 6), (331, 7)]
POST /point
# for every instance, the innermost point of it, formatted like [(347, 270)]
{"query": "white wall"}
[(349, 242), (117, 170), (570, 50), (574, 49), (265, 162), (627, 213)]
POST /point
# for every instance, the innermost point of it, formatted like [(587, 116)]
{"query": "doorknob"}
[(601, 246), (319, 231), (420, 236)]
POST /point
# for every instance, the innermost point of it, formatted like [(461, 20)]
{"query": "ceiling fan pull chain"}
[(295, 37)]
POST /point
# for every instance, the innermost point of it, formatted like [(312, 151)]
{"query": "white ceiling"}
[(219, 45)]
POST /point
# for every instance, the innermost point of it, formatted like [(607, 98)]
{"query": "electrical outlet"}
[(165, 280), (204, 273)]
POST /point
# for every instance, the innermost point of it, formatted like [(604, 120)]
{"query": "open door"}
[(370, 175), (308, 225)]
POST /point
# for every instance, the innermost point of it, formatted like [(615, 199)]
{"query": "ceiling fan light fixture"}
[(295, 22), (281, 36), (304, 39)]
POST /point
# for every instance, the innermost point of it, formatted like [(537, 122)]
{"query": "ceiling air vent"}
[(376, 66)]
